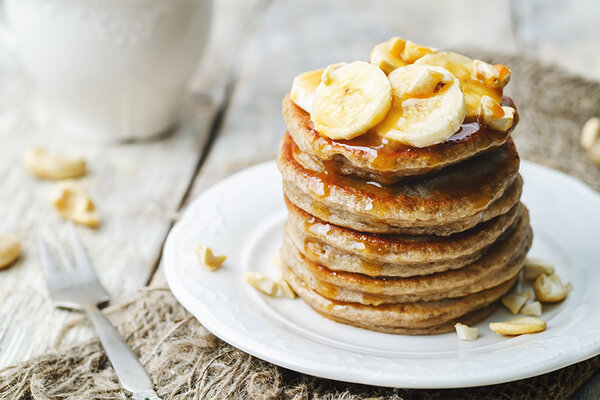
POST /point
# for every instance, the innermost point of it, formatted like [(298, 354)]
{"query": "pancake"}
[(406, 318), (343, 249), (502, 262), (469, 319), (370, 156), (453, 200)]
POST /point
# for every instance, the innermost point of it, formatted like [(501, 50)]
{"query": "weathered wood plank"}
[(137, 188), (134, 186)]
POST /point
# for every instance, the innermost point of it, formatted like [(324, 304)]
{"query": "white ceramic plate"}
[(243, 217)]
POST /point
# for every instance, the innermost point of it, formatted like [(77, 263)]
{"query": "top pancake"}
[(373, 157)]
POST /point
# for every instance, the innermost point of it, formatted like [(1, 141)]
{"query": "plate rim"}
[(215, 327)]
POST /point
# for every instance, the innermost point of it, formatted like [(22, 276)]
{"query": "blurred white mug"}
[(114, 69)]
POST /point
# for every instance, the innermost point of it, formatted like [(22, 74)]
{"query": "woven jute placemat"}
[(187, 362)]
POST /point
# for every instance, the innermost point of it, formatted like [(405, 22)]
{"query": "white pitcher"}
[(113, 69)]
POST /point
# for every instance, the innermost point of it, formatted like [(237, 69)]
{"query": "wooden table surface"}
[(231, 120)]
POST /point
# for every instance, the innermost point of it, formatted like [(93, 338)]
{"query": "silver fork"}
[(78, 288)]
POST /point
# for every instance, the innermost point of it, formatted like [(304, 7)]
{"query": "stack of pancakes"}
[(401, 239)]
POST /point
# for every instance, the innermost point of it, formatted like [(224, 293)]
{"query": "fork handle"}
[(131, 374)]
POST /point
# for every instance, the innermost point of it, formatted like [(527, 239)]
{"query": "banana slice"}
[(351, 99), (397, 52), (475, 79), (303, 88), (428, 106)]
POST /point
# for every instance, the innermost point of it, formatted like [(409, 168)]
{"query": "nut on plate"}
[(285, 290), (515, 301), (269, 286), (262, 283), (72, 202), (549, 289), (519, 326), (465, 332), (46, 165), (533, 309), (10, 250), (207, 256), (535, 267)]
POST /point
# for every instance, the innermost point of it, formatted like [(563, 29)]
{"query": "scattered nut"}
[(44, 164), (10, 250), (496, 116), (262, 283), (533, 309), (514, 302), (519, 326), (285, 290), (72, 202), (495, 76), (465, 332), (535, 267), (207, 256), (549, 289), (590, 138)]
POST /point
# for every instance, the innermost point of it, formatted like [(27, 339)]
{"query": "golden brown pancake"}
[(452, 200), (374, 158), (502, 262), (343, 249), (416, 318)]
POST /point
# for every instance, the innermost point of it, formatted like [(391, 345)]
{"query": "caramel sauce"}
[(383, 153), (319, 210), (352, 279), (381, 243), (331, 292), (371, 269), (311, 251), (327, 289), (473, 182)]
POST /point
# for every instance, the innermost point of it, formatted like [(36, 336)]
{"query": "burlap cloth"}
[(187, 362)]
